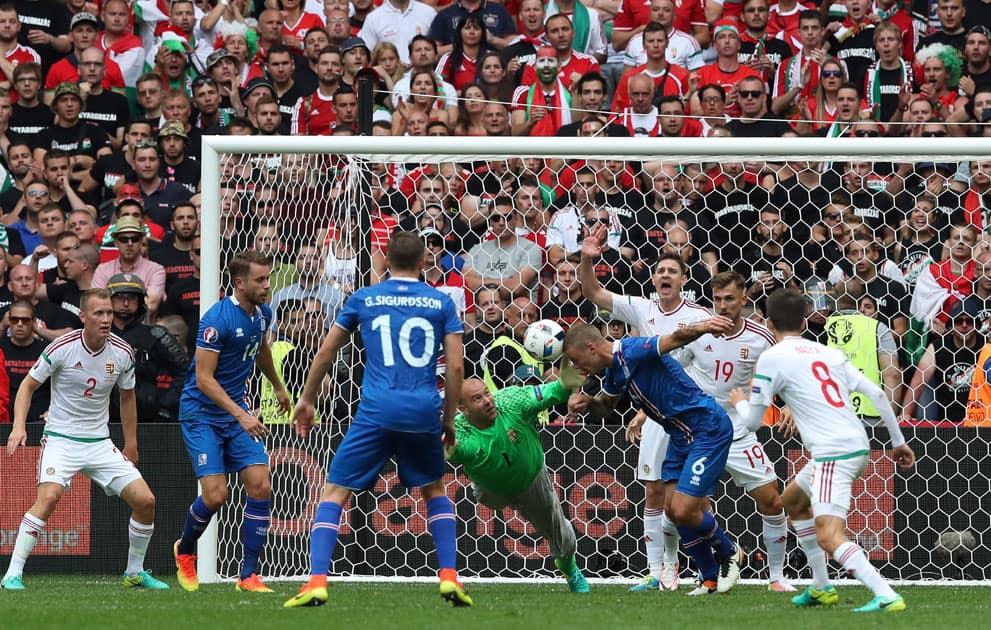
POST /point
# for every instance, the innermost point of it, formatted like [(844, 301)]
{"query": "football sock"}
[(566, 565), (721, 544), (805, 532), (323, 537), (855, 562), (138, 537), (27, 537), (776, 542), (254, 530), (443, 527), (696, 543), (196, 521), (653, 539), (670, 540)]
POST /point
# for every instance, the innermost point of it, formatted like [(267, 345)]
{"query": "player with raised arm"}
[(700, 430), (85, 365), (404, 323), (651, 317), (221, 435), (500, 450), (719, 364), (816, 381)]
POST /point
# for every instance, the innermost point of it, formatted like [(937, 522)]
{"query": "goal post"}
[(935, 534)]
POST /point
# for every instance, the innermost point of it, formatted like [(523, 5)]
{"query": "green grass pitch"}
[(101, 602)]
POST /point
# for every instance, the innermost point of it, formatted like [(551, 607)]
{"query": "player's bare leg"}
[(715, 555), (212, 498), (443, 527), (799, 509), (771, 510), (254, 530), (139, 497), (323, 539), (831, 534), (32, 524)]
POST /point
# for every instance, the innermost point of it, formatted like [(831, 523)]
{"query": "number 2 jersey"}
[(403, 323), (815, 381), (236, 336), (82, 381)]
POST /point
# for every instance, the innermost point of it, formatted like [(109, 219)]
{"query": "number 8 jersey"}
[(82, 381), (403, 323), (814, 380)]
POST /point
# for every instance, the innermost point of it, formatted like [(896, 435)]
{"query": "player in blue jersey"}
[(220, 433), (404, 323), (700, 430)]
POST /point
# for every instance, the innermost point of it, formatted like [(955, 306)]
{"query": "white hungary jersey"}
[(814, 380), (720, 364), (650, 320), (81, 383)]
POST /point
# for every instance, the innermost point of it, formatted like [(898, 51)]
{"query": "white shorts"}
[(829, 484), (61, 458), (653, 445), (749, 465)]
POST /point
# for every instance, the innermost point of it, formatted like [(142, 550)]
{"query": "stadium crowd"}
[(103, 107)]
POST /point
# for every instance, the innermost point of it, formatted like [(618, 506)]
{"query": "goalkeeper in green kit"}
[(500, 450)]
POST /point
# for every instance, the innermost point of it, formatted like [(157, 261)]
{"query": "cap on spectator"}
[(173, 45), (129, 224), (129, 191), (256, 83), (171, 128), (126, 283), (981, 30), (432, 237), (731, 26), (945, 167), (217, 55), (353, 42), (66, 88), (526, 374), (963, 307), (82, 17)]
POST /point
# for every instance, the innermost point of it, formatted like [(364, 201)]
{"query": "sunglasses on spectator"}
[(21, 320), (933, 134), (835, 74), (867, 133), (595, 221), (833, 215), (751, 93), (37, 193), (498, 218), (203, 80), (129, 239), (313, 314)]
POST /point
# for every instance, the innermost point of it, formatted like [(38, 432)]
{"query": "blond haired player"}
[(84, 366), (816, 381)]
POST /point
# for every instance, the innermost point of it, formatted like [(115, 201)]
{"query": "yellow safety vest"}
[(856, 335), (525, 359), (269, 405)]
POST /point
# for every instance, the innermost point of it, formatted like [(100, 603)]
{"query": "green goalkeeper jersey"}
[(506, 457)]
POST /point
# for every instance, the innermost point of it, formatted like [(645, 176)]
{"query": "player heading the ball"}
[(84, 366)]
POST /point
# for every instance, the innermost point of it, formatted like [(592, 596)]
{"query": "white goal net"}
[(503, 219)]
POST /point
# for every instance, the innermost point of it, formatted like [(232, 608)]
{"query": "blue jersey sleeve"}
[(348, 316), (609, 385), (212, 332)]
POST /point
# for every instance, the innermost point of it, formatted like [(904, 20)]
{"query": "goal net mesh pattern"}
[(780, 220)]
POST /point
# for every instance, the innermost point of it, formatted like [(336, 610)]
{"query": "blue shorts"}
[(367, 447), (697, 466), (218, 448)]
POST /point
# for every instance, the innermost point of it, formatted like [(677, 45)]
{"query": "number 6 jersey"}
[(815, 381), (81, 383)]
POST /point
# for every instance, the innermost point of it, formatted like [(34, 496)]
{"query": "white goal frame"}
[(435, 149)]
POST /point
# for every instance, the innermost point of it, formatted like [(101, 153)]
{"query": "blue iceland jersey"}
[(228, 330), (659, 384), (403, 323)]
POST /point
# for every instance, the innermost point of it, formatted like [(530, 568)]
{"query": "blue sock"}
[(254, 530), (443, 527), (323, 537), (197, 519), (695, 543), (720, 542)]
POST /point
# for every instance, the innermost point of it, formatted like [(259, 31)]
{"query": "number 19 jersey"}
[(814, 380), (403, 323)]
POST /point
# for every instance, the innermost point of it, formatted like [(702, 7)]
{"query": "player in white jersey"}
[(651, 317), (718, 365), (84, 366), (815, 381)]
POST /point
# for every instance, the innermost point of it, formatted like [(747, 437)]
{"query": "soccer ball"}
[(544, 340)]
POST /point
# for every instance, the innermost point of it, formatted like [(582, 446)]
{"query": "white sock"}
[(27, 538), (805, 532), (138, 537), (855, 562), (776, 543), (653, 539), (671, 540)]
